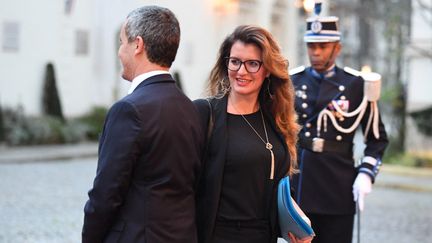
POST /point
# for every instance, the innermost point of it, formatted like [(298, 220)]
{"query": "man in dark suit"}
[(331, 104), (150, 147)]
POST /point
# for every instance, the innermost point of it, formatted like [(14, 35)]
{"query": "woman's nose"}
[(242, 69)]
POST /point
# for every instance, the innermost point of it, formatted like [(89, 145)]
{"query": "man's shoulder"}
[(135, 102), (122, 106), (351, 71), (296, 70)]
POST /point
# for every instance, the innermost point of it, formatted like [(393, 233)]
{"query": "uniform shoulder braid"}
[(296, 70), (352, 71)]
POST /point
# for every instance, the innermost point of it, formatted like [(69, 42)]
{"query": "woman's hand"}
[(294, 239)]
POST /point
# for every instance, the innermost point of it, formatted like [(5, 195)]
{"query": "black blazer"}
[(149, 160), (210, 186), (324, 184)]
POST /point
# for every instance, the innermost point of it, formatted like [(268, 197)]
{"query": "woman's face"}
[(247, 58)]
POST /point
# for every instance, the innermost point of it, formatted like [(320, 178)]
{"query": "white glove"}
[(361, 187)]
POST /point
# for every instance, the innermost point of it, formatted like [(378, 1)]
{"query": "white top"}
[(138, 79)]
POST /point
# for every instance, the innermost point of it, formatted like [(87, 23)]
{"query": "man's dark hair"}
[(160, 31)]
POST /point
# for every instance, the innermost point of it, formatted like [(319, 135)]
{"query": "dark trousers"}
[(332, 228)]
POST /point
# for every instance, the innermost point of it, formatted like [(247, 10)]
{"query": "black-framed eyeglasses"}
[(251, 66)]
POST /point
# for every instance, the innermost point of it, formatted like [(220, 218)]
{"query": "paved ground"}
[(42, 196), (46, 153), (43, 202), (399, 209)]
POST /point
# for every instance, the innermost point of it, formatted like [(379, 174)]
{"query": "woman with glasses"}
[(251, 143)]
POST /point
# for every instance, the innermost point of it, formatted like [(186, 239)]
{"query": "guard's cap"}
[(322, 29)]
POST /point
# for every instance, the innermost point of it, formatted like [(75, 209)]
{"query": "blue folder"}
[(289, 219)]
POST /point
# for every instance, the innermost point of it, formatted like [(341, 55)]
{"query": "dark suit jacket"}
[(324, 184), (149, 159), (210, 187)]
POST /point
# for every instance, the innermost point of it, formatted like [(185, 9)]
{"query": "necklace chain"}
[(268, 145)]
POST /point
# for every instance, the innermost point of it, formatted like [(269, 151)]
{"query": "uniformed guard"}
[(332, 103)]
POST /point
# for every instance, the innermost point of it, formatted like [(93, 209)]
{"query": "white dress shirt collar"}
[(138, 79)]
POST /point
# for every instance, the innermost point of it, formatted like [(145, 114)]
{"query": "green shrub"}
[(51, 99), (45, 130), (423, 120), (14, 126), (94, 121), (36, 130), (2, 128), (23, 130), (74, 131), (410, 159)]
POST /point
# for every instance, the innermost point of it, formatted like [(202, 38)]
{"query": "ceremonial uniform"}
[(324, 184), (332, 103)]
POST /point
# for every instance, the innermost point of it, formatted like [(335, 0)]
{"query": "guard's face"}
[(322, 55), (126, 54), (246, 81)]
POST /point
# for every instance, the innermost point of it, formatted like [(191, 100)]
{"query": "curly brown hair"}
[(277, 91)]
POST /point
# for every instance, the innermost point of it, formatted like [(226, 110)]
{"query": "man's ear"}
[(338, 47), (139, 45)]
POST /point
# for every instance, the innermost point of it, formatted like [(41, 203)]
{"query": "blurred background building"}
[(80, 39)]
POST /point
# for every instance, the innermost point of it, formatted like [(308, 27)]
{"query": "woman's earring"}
[(226, 86), (268, 88)]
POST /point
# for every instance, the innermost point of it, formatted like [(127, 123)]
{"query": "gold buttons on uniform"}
[(307, 134), (304, 115), (304, 96), (308, 125), (341, 88), (338, 137), (304, 87), (343, 97), (304, 105)]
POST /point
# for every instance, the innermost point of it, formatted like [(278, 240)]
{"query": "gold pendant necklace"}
[(267, 144)]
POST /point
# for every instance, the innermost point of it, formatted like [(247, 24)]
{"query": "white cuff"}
[(370, 160)]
